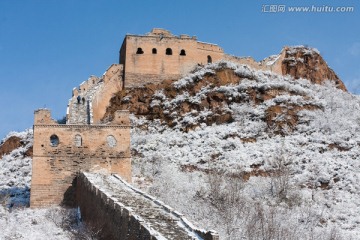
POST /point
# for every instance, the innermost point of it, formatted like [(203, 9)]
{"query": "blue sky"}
[(47, 47)]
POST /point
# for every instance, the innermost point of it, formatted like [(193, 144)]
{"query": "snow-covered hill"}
[(286, 166)]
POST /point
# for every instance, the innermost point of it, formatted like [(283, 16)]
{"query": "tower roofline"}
[(162, 33)]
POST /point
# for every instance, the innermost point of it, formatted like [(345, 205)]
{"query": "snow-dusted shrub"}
[(70, 221)]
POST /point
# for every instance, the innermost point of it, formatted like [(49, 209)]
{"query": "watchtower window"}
[(139, 51), (111, 141), (54, 140), (182, 52), (154, 51), (209, 59), (78, 140), (168, 51)]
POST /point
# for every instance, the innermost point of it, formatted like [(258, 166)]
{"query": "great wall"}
[(67, 155), (109, 202)]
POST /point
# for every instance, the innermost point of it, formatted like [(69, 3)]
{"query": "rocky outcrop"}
[(9, 145), (304, 62), (301, 62), (13, 143)]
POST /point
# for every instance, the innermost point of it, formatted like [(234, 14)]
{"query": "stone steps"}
[(154, 215)]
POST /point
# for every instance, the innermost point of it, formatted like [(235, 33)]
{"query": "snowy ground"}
[(34, 224)]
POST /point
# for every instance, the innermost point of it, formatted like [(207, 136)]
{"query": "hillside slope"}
[(229, 136)]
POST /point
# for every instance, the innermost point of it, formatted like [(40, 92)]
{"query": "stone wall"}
[(112, 219), (139, 79), (101, 209), (61, 151), (90, 100), (113, 83), (203, 234)]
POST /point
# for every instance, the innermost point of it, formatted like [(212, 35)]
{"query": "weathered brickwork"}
[(61, 151), (119, 211)]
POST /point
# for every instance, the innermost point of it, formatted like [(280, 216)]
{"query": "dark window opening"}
[(139, 51), (83, 100), (209, 59), (168, 51), (182, 52), (154, 51), (54, 140)]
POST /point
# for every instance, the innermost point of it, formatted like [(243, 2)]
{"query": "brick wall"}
[(136, 80)]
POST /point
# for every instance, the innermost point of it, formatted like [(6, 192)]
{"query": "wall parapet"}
[(81, 126), (206, 235), (101, 207), (102, 211)]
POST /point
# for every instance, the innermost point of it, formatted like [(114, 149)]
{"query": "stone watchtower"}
[(63, 150), (160, 55)]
